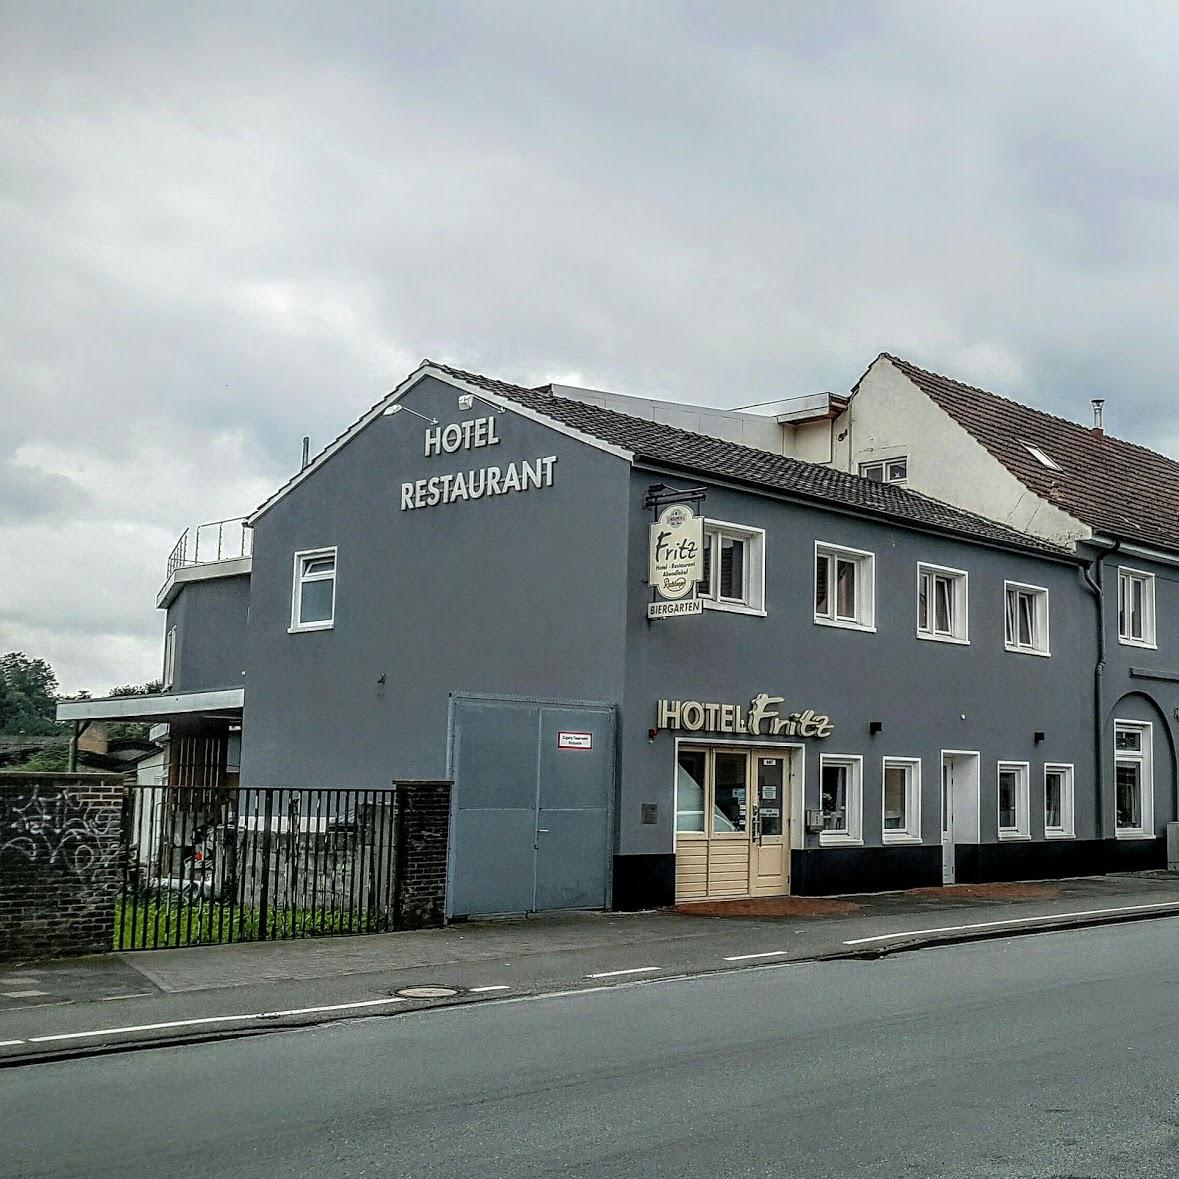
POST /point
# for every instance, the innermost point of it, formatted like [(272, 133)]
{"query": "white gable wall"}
[(889, 416)]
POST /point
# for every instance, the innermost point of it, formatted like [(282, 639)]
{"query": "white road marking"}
[(747, 957), (884, 937), (23, 994), (480, 990), (10, 1043), (632, 970), (187, 1023)]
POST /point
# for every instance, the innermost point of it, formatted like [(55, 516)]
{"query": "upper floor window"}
[(894, 470), (734, 568), (1026, 625), (845, 592), (1136, 608), (313, 598), (941, 604)]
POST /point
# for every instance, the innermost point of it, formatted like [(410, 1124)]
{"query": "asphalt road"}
[(1052, 1055)]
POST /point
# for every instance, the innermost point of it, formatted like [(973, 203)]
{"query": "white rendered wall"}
[(890, 416)]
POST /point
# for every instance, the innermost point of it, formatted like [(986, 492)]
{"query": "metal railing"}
[(218, 540), (206, 865)]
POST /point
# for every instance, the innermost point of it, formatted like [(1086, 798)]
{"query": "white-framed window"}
[(1058, 801), (313, 597), (1025, 618), (734, 568), (901, 796), (1014, 821), (1136, 608), (845, 587), (893, 470), (1133, 778), (840, 798), (170, 658), (942, 604)]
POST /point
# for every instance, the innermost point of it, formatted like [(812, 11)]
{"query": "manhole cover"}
[(427, 992)]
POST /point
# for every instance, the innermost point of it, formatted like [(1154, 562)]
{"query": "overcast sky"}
[(225, 226)]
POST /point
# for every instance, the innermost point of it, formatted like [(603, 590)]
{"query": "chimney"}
[(1098, 430), (307, 450)]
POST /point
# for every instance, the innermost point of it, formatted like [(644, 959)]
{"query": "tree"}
[(51, 759), (151, 688), (28, 701)]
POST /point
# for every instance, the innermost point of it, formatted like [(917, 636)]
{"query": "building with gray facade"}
[(872, 688)]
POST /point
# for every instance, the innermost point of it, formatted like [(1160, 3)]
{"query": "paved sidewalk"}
[(115, 1001)]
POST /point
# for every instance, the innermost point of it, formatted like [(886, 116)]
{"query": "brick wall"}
[(60, 863), (422, 833)]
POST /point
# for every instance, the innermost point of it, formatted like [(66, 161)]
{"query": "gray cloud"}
[(225, 226), (29, 493)]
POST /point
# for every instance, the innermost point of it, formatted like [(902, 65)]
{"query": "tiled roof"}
[(729, 460), (1115, 487)]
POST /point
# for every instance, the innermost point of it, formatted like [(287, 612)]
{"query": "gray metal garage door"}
[(533, 788)]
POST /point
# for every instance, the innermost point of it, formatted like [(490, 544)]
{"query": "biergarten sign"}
[(761, 718)]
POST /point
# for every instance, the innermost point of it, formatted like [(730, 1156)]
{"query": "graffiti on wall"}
[(56, 827)]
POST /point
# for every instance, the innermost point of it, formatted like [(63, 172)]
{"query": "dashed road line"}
[(481, 990), (209, 1019), (885, 937), (749, 957), (632, 970), (10, 1043)]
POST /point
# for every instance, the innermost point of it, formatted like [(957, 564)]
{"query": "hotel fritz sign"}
[(676, 562), (763, 717)]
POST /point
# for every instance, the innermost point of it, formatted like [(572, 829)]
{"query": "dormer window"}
[(1043, 459), (894, 470)]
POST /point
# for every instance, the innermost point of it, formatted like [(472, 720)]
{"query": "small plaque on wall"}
[(650, 812)]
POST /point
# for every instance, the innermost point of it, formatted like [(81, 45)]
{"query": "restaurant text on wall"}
[(762, 717), (524, 475)]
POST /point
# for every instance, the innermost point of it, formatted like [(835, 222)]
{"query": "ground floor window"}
[(1133, 778), (902, 800), (840, 793), (1013, 800), (1058, 801)]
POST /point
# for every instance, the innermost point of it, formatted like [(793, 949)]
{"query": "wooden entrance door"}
[(770, 844), (731, 823)]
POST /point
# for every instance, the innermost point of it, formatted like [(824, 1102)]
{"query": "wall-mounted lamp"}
[(1038, 736), (395, 409), (467, 401), (875, 727)]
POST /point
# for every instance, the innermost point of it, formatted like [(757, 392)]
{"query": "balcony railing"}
[(218, 540)]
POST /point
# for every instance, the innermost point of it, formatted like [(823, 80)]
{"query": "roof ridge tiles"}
[(1033, 409), (890, 501)]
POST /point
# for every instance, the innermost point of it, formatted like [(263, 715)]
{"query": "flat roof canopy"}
[(226, 703)]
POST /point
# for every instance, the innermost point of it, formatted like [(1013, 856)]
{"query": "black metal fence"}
[(206, 865)]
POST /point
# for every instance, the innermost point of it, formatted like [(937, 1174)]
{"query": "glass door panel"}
[(770, 781), (730, 809)]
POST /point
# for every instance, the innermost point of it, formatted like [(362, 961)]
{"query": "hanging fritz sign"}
[(480, 482), (761, 718), (676, 562)]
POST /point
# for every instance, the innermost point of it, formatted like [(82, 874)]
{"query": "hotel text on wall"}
[(761, 718), (449, 488)]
